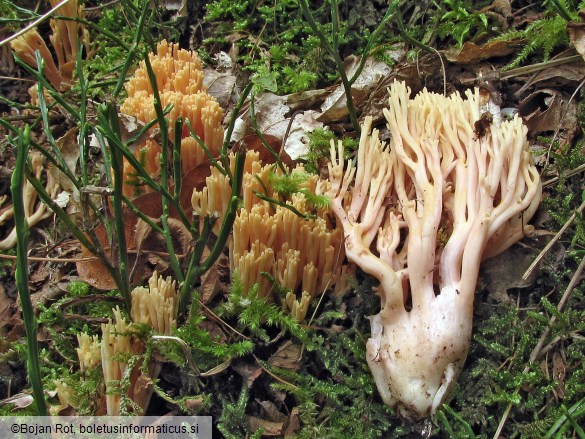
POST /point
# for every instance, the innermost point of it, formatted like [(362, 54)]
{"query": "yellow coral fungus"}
[(179, 81), (299, 253)]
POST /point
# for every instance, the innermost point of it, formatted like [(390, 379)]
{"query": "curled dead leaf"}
[(248, 371), (547, 110), (252, 142), (270, 428), (20, 401), (471, 53)]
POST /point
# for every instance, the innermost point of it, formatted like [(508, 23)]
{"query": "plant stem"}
[(338, 63), (164, 177), (111, 114), (22, 234)]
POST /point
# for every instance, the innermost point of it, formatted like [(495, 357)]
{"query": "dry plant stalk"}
[(432, 204)]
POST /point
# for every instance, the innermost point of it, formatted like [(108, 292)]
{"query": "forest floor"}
[(259, 371)]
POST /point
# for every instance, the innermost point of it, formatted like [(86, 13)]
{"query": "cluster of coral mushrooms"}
[(419, 214)]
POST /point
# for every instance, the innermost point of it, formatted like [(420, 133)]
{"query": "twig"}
[(220, 320), (276, 377), (33, 24), (498, 74), (568, 174), (41, 259), (553, 241)]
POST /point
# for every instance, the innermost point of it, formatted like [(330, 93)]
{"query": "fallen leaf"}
[(16, 328), (307, 100), (297, 142), (294, 423), (94, 272), (219, 85), (500, 13), (272, 411), (273, 118), (557, 76), (504, 272), (193, 404), (248, 371), (577, 33), (20, 401), (6, 311), (547, 110), (335, 106), (179, 7), (69, 147), (471, 53), (216, 280), (287, 356), (270, 428), (252, 142)]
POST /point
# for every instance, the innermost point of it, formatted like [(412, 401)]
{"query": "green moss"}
[(274, 37), (320, 148), (454, 20), (544, 35)]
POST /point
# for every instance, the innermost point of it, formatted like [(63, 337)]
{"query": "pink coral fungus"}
[(432, 204)]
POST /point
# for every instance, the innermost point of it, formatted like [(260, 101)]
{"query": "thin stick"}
[(33, 24), (553, 241), (567, 174), (40, 259)]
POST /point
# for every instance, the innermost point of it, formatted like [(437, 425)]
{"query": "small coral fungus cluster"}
[(274, 242), (65, 39), (179, 80), (154, 307), (420, 215)]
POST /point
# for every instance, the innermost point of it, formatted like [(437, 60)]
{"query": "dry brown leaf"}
[(471, 53), (500, 13), (577, 33), (20, 401), (248, 371), (547, 110), (270, 428), (69, 147), (307, 100), (294, 423), (216, 280), (95, 273), (6, 311), (193, 404), (287, 356), (252, 142), (275, 118), (334, 109), (220, 85), (272, 411), (557, 76), (504, 272), (16, 328)]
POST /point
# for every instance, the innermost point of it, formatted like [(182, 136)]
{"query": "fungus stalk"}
[(435, 202)]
